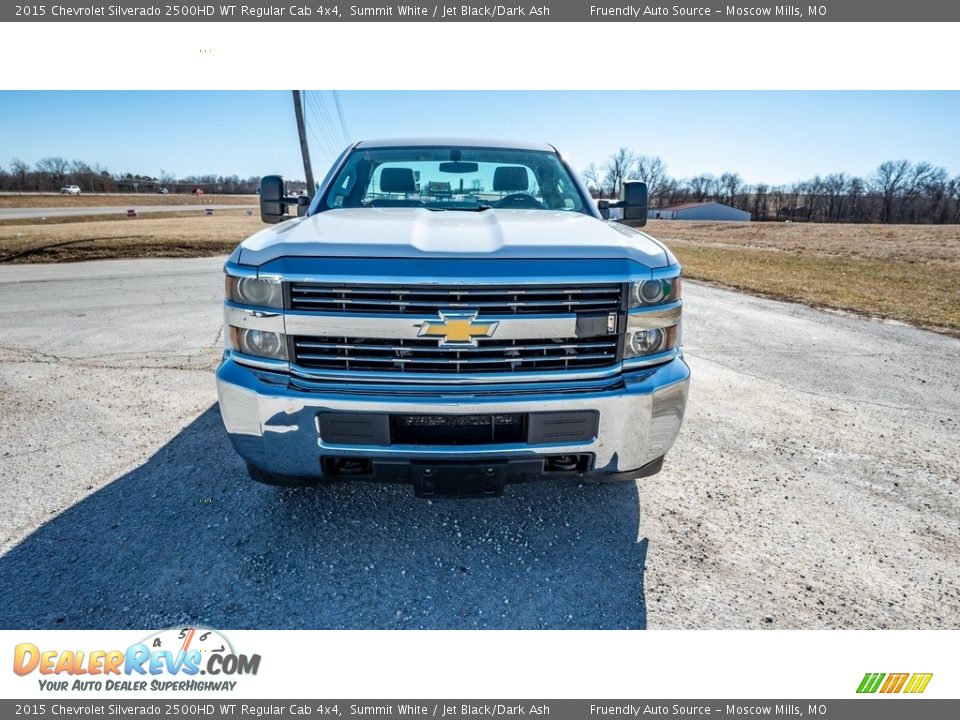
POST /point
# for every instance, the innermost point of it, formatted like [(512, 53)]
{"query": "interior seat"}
[(397, 180)]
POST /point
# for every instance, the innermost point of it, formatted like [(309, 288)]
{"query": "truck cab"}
[(454, 314)]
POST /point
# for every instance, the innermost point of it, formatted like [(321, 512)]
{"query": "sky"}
[(773, 137)]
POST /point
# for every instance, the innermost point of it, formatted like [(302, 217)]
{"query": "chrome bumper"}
[(274, 425)]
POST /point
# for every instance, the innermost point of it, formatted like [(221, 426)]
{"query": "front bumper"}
[(274, 424)]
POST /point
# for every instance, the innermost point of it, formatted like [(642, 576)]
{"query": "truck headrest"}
[(397, 180), (510, 178)]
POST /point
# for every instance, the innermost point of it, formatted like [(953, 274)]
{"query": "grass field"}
[(909, 273), (45, 200), (162, 235)]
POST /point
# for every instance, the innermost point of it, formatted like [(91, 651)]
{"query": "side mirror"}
[(303, 204), (604, 207), (273, 205), (634, 201)]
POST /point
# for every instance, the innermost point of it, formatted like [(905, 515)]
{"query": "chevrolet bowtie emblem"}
[(457, 328)]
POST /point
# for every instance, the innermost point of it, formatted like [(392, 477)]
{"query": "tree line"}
[(898, 191), (52, 173)]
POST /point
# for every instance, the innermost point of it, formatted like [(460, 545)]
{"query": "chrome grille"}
[(429, 300), (422, 355)]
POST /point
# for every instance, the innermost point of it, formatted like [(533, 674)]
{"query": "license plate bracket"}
[(458, 479)]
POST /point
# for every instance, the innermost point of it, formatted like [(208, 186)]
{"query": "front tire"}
[(268, 478)]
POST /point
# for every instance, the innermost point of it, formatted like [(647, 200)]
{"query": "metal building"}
[(699, 211)]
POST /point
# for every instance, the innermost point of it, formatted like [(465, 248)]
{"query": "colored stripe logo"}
[(913, 683)]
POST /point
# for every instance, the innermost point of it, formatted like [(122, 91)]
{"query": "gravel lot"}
[(815, 485)]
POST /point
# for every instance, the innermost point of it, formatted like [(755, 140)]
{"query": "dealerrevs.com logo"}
[(910, 683), (168, 660)]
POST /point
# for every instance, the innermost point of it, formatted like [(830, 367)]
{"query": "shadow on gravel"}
[(187, 538)]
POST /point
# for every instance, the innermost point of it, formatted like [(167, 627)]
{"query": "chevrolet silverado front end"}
[(453, 314)]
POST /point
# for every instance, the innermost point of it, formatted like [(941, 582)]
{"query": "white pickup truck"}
[(455, 314)]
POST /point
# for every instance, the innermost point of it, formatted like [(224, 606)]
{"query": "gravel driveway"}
[(814, 485)]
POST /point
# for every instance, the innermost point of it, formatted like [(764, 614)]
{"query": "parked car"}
[(498, 331), (70, 190), (163, 191)]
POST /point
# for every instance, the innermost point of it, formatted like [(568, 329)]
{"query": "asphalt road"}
[(81, 211), (814, 485)]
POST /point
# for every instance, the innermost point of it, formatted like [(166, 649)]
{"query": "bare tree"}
[(779, 200), (856, 200), (617, 169), (759, 210), (921, 196), (835, 194), (593, 177), (653, 172), (888, 181), (729, 187), (699, 186), (19, 172), (53, 168), (953, 192)]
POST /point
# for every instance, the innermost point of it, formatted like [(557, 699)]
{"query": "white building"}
[(699, 211)]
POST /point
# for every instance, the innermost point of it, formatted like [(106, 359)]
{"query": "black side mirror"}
[(303, 204), (604, 207), (273, 205), (633, 198)]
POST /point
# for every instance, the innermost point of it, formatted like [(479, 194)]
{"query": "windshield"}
[(451, 178)]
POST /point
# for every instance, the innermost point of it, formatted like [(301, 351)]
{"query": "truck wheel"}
[(267, 478)]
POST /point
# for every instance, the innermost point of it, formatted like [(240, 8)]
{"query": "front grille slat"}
[(481, 305), (309, 345), (419, 300), (306, 289), (424, 355)]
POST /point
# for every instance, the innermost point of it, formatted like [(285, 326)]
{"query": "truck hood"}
[(422, 233)]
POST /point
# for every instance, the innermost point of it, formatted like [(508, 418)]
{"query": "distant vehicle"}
[(163, 191), (70, 190), (198, 191)]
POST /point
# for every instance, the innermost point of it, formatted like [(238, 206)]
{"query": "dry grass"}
[(44, 200), (909, 273), (897, 242), (168, 235)]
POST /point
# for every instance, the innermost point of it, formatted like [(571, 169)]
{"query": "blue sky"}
[(775, 137)]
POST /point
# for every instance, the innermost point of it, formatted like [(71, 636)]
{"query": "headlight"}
[(654, 292), (259, 343), (260, 292), (650, 341)]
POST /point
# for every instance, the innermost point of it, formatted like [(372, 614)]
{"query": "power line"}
[(324, 134), (325, 116), (318, 131), (343, 123)]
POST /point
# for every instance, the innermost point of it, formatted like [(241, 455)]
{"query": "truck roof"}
[(456, 142)]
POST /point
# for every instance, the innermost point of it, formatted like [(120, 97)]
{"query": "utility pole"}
[(304, 150)]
